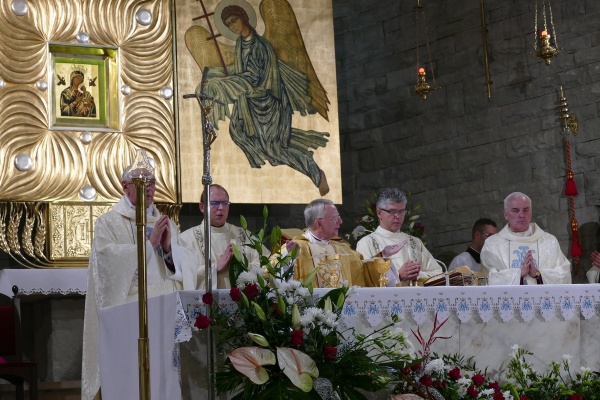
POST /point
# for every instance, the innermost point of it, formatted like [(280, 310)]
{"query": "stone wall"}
[(458, 153)]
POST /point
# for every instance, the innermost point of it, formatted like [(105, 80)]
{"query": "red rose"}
[(494, 385), (575, 397), (330, 353), (472, 392), (416, 367), (425, 380), (523, 398), (251, 291), (207, 298), (498, 396), (235, 293), (202, 322), (437, 383), (297, 337), (405, 371), (478, 379), (274, 307), (454, 374)]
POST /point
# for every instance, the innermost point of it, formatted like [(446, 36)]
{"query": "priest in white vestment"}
[(411, 261), (522, 253), (113, 269), (223, 236)]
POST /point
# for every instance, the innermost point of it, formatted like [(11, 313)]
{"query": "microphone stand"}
[(208, 137)]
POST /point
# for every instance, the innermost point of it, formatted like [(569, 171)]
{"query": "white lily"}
[(249, 361), (298, 367)]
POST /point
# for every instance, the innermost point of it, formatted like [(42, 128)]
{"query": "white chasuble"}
[(503, 253)]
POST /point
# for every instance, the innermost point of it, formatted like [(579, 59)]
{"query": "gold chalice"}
[(382, 265)]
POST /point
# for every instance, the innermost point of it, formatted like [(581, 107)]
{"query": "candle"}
[(421, 71), (543, 34)]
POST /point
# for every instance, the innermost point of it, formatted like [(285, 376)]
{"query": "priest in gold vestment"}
[(335, 261)]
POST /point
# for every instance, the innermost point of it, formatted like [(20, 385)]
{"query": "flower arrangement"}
[(558, 383), (446, 377), (452, 377), (281, 341), (369, 222)]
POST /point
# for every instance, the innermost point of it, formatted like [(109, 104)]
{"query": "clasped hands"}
[(528, 267), (161, 234)]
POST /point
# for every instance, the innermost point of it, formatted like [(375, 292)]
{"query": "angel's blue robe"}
[(265, 92)]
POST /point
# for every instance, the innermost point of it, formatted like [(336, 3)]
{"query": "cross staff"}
[(212, 36)]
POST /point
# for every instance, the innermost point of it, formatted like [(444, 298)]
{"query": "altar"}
[(483, 322)]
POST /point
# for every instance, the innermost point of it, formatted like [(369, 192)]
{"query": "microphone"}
[(403, 244), (204, 97)]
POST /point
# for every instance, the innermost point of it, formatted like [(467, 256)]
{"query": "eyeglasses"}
[(220, 203), (395, 212), (334, 218)]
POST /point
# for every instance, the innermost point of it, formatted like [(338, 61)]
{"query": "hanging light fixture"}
[(545, 46), (423, 88)]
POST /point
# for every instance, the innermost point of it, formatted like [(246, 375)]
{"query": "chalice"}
[(382, 265)]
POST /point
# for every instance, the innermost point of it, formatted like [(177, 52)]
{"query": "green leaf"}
[(310, 277), (259, 312), (236, 253), (283, 389), (265, 212), (276, 237), (243, 222)]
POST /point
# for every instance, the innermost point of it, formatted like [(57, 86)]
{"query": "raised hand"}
[(224, 259)]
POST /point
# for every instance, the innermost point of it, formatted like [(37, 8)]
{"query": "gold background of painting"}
[(230, 167)]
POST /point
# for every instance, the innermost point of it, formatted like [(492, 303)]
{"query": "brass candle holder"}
[(422, 88), (546, 51)]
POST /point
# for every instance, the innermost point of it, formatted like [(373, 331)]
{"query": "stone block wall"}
[(457, 153)]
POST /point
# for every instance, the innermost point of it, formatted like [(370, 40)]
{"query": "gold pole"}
[(143, 344)]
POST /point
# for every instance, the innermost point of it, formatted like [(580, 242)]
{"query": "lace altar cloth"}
[(562, 302), (44, 281)]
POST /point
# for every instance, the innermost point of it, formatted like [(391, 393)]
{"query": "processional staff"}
[(140, 173), (208, 137)]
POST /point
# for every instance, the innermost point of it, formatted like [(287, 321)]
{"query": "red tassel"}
[(575, 248), (571, 189)]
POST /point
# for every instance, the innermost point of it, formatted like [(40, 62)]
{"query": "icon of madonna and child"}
[(76, 100), (265, 79)]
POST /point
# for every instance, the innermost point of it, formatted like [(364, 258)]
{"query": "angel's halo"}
[(223, 30)]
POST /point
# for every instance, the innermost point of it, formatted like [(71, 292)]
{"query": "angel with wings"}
[(268, 78)]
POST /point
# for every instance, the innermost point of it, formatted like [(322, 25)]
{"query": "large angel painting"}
[(262, 81)]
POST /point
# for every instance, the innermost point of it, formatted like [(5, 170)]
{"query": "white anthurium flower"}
[(249, 361), (298, 367)]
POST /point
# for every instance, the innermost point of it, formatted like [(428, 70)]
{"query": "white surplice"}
[(220, 238), (496, 257), (112, 277)]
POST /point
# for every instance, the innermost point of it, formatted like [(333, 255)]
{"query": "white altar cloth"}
[(44, 281), (484, 322)]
